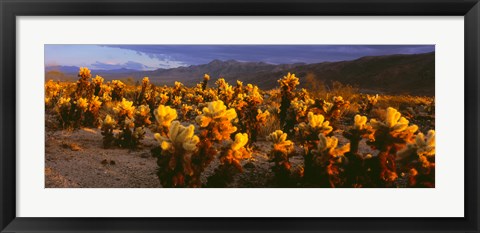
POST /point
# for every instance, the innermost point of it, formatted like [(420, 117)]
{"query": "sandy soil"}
[(76, 159)]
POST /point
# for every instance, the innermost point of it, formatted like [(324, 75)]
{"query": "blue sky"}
[(150, 57)]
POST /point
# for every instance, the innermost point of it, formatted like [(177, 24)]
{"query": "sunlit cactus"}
[(84, 73), (90, 117), (97, 82), (359, 130), (145, 81), (174, 161), (142, 116), (334, 110), (230, 159), (327, 149), (287, 85), (63, 108), (218, 120), (179, 138), (236, 151), (143, 96), (108, 125), (177, 100), (421, 146), (124, 109), (118, 90), (106, 93), (52, 91), (163, 98), (391, 135), (63, 102), (164, 116), (394, 125), (316, 124), (419, 156), (280, 153), (185, 110), (329, 160), (82, 104), (262, 116), (289, 82)]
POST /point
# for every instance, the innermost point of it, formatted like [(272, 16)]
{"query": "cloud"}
[(276, 54), (112, 66)]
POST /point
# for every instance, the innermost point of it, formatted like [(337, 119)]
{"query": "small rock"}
[(104, 162), (74, 147), (112, 162)]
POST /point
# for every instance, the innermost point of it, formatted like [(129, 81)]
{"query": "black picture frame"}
[(10, 9)]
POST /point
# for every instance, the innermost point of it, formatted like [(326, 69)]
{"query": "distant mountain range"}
[(391, 74)]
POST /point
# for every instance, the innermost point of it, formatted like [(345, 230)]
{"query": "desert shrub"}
[(287, 85), (279, 154)]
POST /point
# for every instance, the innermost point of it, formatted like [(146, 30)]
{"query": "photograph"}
[(239, 115)]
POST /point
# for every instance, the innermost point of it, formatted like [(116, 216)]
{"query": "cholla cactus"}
[(250, 117), (164, 116), (393, 131), (118, 89), (421, 146), (420, 159), (206, 78), (330, 160), (163, 98), (372, 100), (106, 93), (236, 151), (359, 130), (335, 109), (177, 100), (368, 103), (230, 159), (217, 120), (280, 153), (316, 124), (185, 109), (91, 115), (124, 109), (327, 149), (225, 91), (391, 135), (132, 130), (289, 82), (143, 96), (179, 138), (145, 81), (174, 161), (108, 125), (97, 82), (287, 85), (52, 91), (84, 73), (63, 108), (142, 116), (262, 116), (83, 84), (82, 104), (360, 165)]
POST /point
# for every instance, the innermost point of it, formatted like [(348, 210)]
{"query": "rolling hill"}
[(391, 74)]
